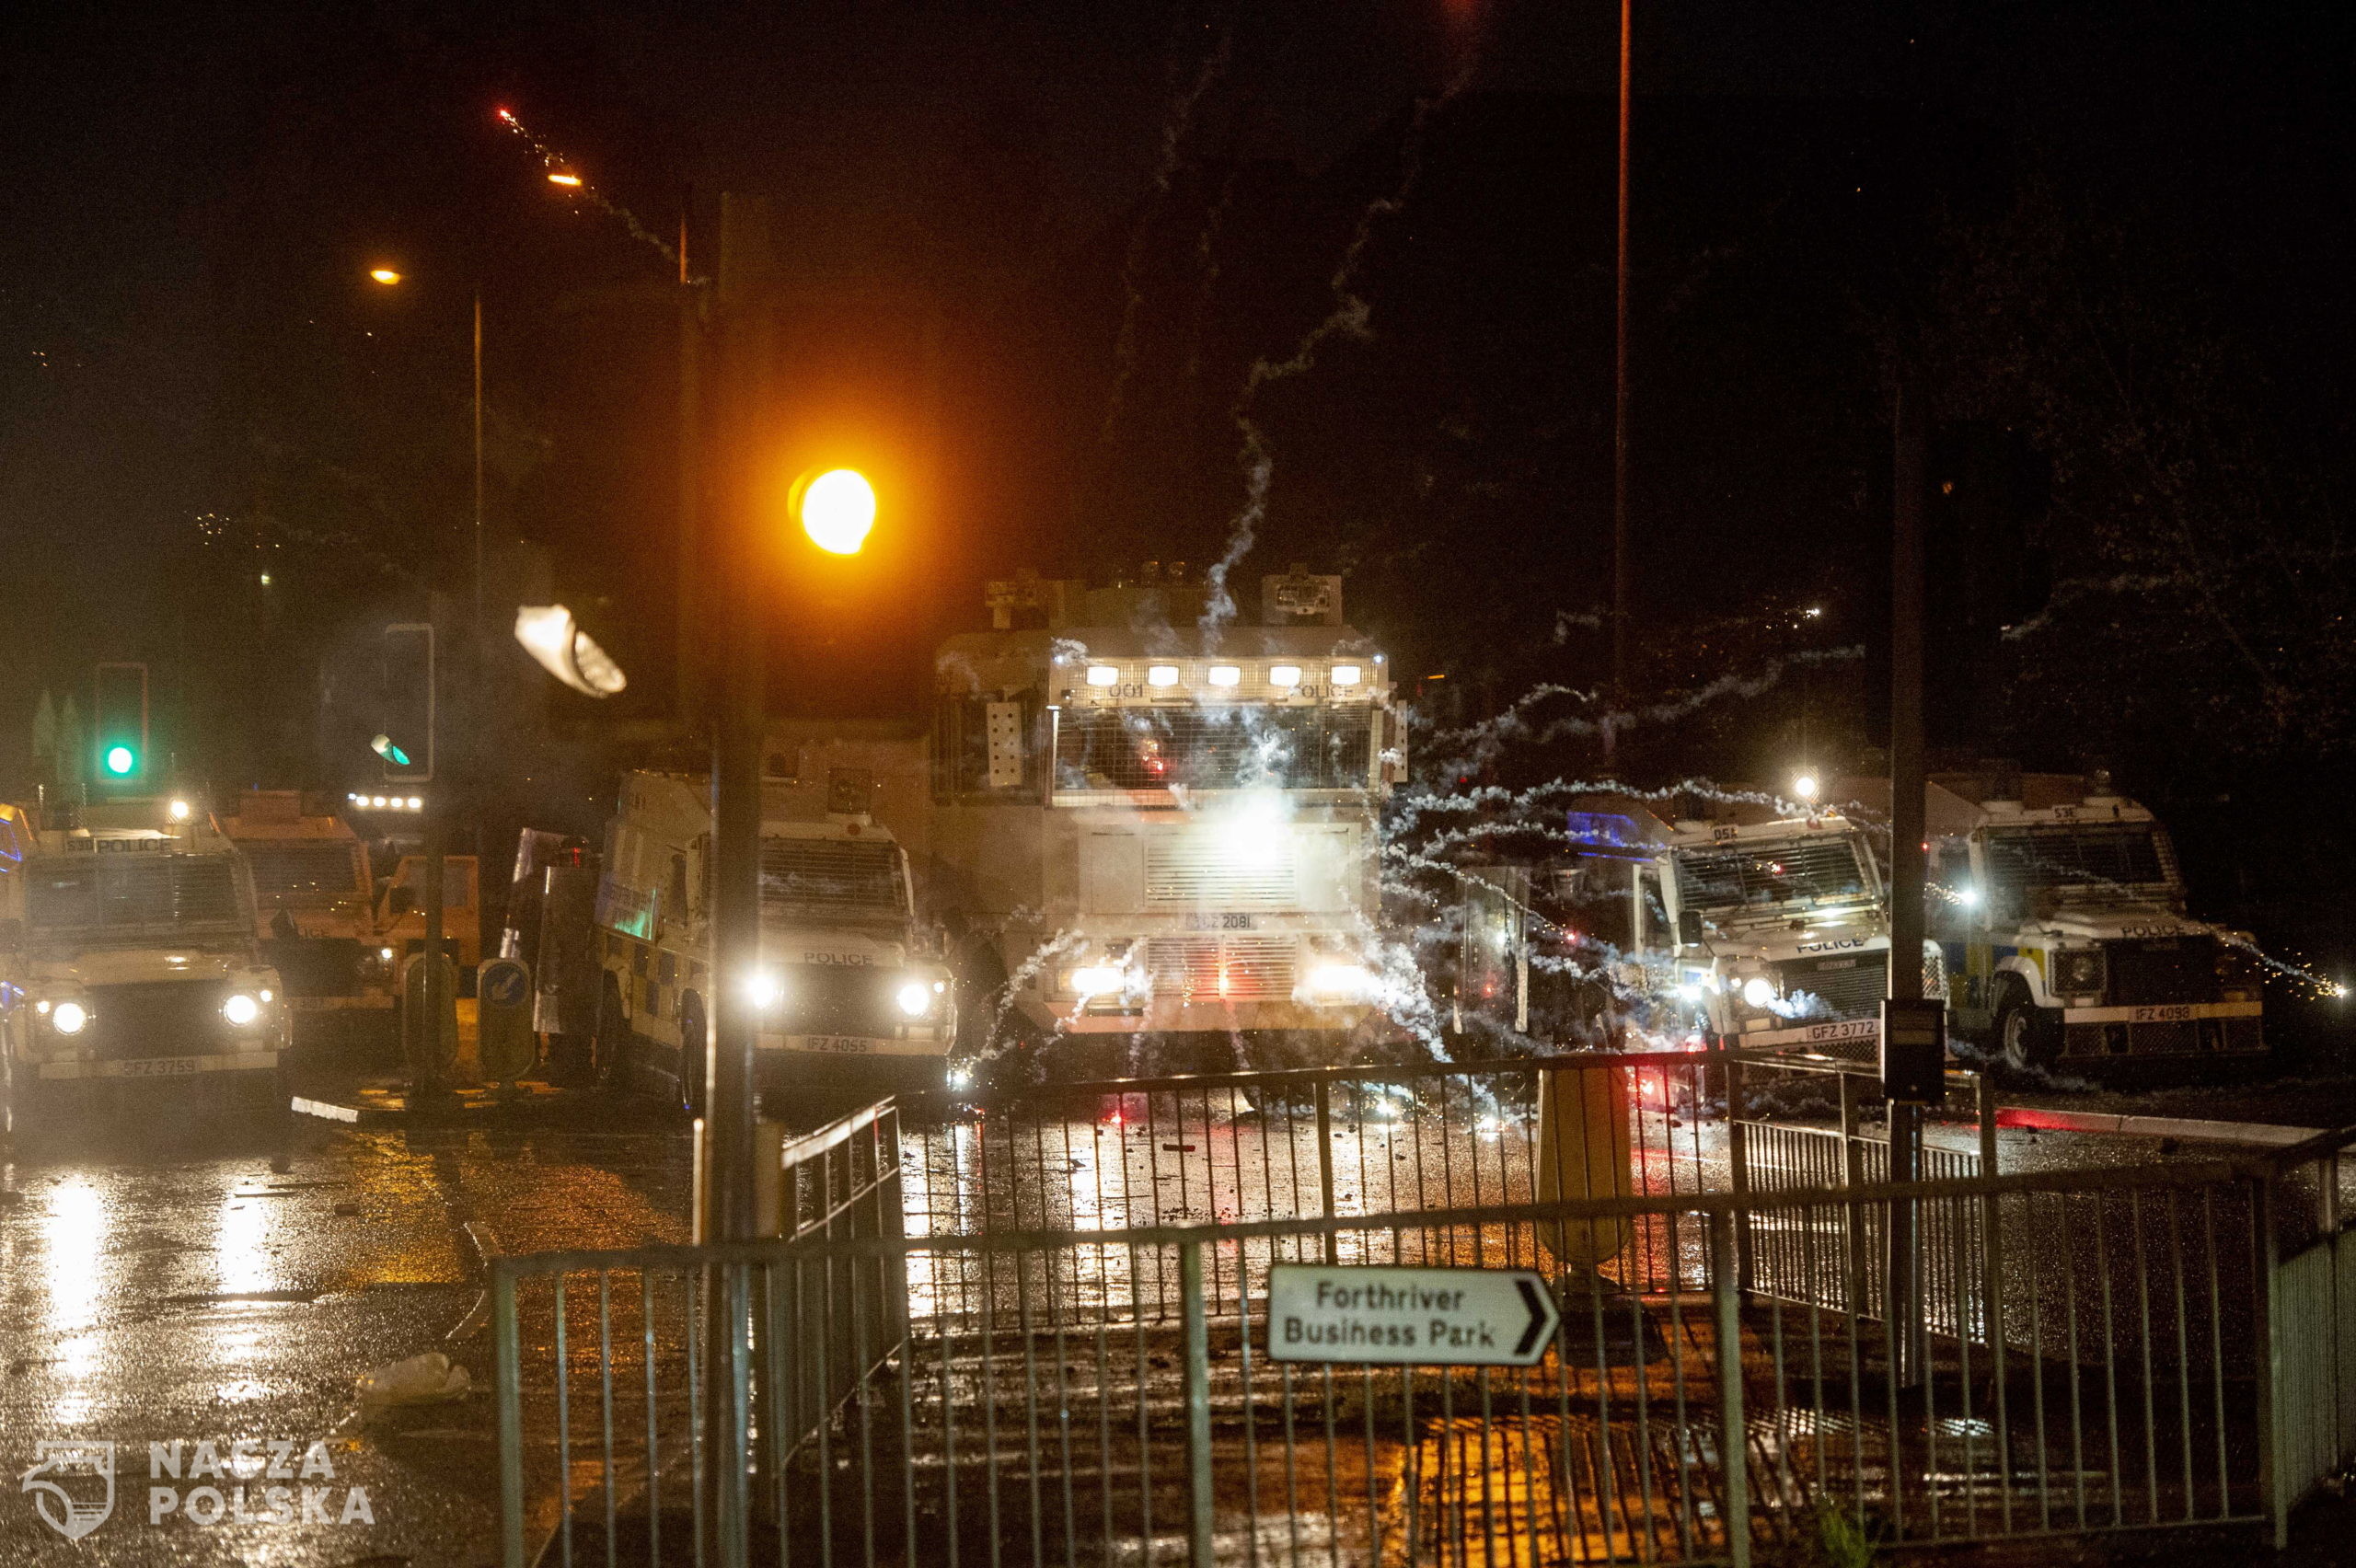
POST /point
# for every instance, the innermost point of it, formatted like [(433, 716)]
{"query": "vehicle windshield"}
[(281, 870), (1823, 869), (2074, 857), (144, 894), (1223, 746), (833, 880)]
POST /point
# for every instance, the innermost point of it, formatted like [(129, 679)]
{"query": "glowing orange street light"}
[(560, 176), (837, 508), (384, 275)]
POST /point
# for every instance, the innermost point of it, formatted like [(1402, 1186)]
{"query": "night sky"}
[(1033, 266)]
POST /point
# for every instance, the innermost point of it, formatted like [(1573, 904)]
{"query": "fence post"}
[(1199, 1406), (1733, 1448), (1852, 1175), (507, 1373), (2274, 1487), (1991, 1236), (1325, 1161), (1739, 1164)]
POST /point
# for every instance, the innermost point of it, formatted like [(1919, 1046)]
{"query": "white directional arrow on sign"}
[(1458, 1317)]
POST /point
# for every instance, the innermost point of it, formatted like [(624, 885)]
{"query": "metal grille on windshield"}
[(2074, 856), (1772, 873), (283, 869), (132, 893), (845, 878), (1229, 746)]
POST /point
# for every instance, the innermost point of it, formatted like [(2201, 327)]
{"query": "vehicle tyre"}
[(2028, 1037), (694, 1041), (608, 1068)]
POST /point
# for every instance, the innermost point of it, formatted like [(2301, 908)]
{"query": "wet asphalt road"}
[(162, 1284)]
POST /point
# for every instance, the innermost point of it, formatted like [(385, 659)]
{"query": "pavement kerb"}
[(2261, 1134)]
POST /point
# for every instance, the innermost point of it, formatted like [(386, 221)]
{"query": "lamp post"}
[(436, 826), (835, 510)]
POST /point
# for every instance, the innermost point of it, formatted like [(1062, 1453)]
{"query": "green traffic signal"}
[(120, 761), (386, 747)]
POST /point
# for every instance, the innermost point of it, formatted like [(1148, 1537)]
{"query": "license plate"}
[(161, 1067), (846, 1042), (2177, 1014)]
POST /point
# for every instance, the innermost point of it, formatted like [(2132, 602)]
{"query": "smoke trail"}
[(1489, 737), (555, 164), (1349, 317), (1174, 128), (2075, 589)]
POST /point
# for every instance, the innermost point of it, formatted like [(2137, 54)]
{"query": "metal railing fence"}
[(1338, 1142), (1047, 1405)]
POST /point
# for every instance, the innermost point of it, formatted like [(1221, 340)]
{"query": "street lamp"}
[(836, 508)]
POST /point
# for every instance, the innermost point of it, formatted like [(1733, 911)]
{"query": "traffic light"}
[(404, 738), (119, 708)]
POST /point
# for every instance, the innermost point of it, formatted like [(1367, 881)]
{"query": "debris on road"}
[(424, 1379)]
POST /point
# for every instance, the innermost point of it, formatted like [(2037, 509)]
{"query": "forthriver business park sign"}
[(1458, 1317)]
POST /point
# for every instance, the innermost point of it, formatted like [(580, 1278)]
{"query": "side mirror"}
[(1689, 928), (401, 901)]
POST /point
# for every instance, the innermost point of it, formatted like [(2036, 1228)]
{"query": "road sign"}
[(503, 1020), (1436, 1317)]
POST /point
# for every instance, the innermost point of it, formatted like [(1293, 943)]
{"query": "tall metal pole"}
[(687, 659), (1907, 785), (747, 303), (477, 469), (738, 736), (1623, 571)]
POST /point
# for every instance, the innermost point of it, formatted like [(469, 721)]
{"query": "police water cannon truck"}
[(1151, 817)]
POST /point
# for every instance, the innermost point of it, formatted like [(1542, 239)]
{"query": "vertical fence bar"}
[(508, 1375), (2276, 1488), (1199, 1553), (1325, 1163), (1739, 1173), (1733, 1452)]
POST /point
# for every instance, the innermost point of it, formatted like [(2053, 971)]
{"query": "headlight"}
[(241, 1010), (1339, 980), (385, 955), (2078, 971), (68, 1018), (915, 998), (764, 991), (1095, 980), (1759, 991)]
